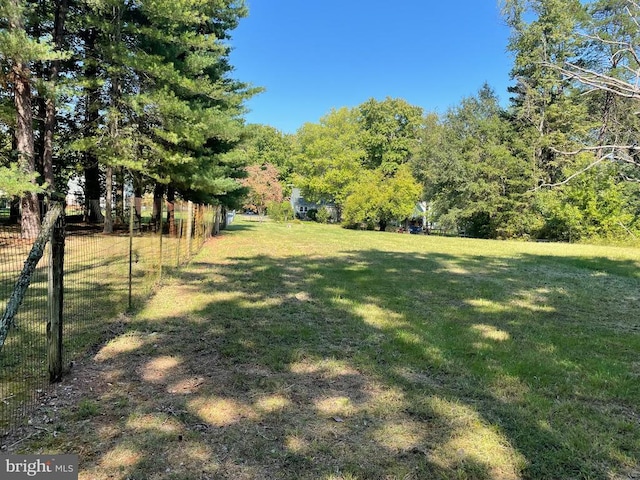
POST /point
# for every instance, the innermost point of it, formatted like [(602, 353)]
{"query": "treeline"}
[(138, 97), (127, 97), (560, 161)]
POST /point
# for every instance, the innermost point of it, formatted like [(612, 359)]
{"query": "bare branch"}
[(627, 178), (598, 147), (626, 229), (604, 40), (575, 174), (614, 154), (633, 19), (598, 80), (625, 54)]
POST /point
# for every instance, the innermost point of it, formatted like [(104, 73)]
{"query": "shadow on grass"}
[(372, 365), (241, 227)]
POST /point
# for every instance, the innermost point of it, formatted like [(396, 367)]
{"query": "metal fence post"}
[(179, 233), (216, 220), (189, 227), (131, 220), (55, 300), (160, 230)]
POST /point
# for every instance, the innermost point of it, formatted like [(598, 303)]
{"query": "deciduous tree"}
[(390, 132), (329, 158), (473, 172), (378, 199), (264, 187)]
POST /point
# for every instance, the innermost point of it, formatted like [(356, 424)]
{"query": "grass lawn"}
[(305, 351)]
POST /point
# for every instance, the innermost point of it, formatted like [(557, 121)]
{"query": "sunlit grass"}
[(305, 351)]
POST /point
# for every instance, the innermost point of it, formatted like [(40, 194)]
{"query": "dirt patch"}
[(80, 383)]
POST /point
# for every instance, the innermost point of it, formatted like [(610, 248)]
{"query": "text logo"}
[(50, 467)]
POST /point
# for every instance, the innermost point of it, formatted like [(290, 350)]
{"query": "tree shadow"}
[(373, 364)]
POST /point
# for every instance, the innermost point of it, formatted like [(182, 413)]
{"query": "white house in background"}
[(420, 212), (301, 207)]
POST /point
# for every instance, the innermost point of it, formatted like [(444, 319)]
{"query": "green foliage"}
[(355, 157), (390, 132), (549, 114), (471, 170), (329, 155), (493, 172), (323, 215), (280, 211), (595, 205), (146, 88), (380, 199), (265, 144), (142, 87), (312, 214), (14, 182)]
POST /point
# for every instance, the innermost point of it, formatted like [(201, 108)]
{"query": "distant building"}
[(302, 207), (420, 212)]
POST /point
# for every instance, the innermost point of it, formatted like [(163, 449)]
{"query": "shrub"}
[(312, 214), (323, 215), (280, 211)]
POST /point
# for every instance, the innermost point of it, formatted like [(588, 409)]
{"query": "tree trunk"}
[(382, 225), (20, 76), (113, 124), (108, 204), (93, 213), (30, 212), (14, 211), (92, 192), (39, 99), (158, 193), (137, 201), (39, 132), (223, 217), (50, 100), (171, 217), (120, 181)]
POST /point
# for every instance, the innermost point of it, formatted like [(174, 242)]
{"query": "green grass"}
[(308, 351)]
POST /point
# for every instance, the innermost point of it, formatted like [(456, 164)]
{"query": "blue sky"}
[(312, 56)]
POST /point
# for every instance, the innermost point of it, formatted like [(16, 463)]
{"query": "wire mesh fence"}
[(23, 352), (104, 276)]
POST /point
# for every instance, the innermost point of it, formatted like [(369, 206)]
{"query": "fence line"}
[(104, 276)]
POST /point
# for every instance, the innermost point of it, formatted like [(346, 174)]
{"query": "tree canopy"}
[(356, 159), (123, 93)]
